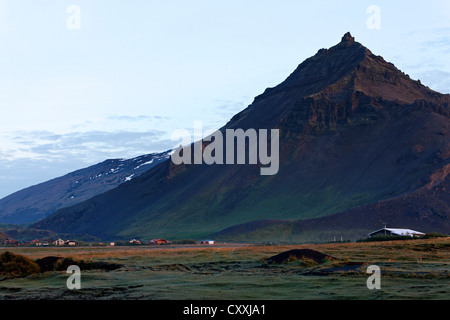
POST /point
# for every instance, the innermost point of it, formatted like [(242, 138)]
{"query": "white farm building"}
[(396, 232)]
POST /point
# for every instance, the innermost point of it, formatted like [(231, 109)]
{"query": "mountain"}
[(34, 203), (357, 136)]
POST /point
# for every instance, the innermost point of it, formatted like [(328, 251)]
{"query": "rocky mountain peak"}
[(348, 39)]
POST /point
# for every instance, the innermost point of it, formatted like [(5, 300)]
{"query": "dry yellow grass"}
[(424, 250), (238, 272)]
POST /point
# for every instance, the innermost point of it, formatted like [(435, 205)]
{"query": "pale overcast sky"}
[(86, 80)]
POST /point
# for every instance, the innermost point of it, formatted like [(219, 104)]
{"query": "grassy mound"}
[(17, 265)]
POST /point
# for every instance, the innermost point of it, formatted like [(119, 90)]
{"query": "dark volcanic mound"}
[(299, 254), (48, 263), (61, 264)]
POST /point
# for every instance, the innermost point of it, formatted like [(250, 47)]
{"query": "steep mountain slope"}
[(36, 202), (354, 130), (427, 208)]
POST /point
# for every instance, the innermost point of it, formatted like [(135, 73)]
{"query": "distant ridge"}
[(36, 202)]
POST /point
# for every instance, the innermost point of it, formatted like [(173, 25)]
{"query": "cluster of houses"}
[(60, 242), (153, 241), (70, 243), (41, 243), (163, 241)]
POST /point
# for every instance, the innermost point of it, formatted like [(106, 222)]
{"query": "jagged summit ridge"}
[(347, 74), (324, 68), (348, 38)]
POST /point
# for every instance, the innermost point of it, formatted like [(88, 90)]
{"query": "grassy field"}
[(416, 269)]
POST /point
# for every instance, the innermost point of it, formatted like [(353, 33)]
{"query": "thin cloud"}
[(136, 118), (441, 43), (86, 146), (437, 80)]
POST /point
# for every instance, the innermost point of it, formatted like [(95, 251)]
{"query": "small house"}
[(59, 242), (396, 232), (210, 242), (158, 241), (11, 242), (36, 242), (134, 241), (70, 243)]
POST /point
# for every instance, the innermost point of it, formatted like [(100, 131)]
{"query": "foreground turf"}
[(416, 269)]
